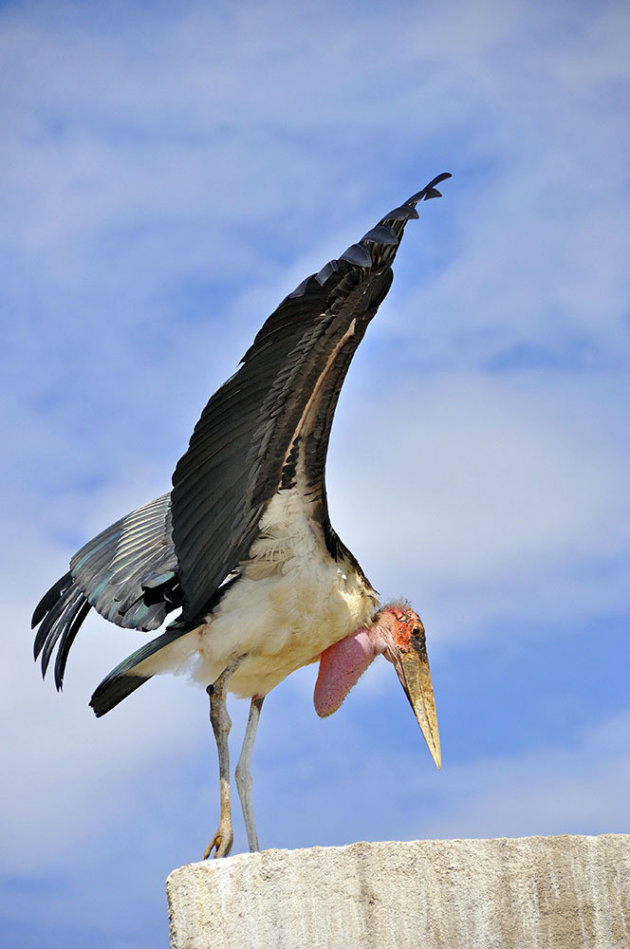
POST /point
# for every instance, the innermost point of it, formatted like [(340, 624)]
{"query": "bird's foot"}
[(221, 843)]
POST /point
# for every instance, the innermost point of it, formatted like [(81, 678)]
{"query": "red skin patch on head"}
[(407, 623)]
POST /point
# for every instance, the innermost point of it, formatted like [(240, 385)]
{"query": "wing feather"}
[(115, 573)]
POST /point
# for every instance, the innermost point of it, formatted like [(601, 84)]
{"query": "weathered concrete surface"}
[(528, 893)]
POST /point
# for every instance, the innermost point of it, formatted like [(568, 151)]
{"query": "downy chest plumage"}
[(291, 601)]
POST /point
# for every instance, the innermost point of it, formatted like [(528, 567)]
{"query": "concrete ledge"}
[(527, 893)]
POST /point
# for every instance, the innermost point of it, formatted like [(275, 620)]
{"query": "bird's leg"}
[(222, 841), (243, 772)]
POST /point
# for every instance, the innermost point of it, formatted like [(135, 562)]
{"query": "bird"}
[(243, 545)]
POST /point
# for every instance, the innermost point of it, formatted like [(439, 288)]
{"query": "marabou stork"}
[(243, 543)]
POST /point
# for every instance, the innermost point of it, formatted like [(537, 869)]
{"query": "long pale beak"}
[(414, 673)]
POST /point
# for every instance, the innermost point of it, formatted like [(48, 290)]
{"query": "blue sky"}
[(169, 172)]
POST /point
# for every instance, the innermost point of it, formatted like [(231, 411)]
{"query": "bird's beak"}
[(414, 673)]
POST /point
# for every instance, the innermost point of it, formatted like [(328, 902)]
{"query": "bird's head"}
[(398, 632)]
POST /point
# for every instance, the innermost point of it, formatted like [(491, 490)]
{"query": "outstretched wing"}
[(285, 391), (275, 411), (128, 573)]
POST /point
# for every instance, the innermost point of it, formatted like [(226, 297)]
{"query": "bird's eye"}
[(416, 630)]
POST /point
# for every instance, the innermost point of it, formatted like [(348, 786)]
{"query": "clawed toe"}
[(221, 844)]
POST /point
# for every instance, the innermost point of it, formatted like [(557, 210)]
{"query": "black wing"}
[(128, 573), (287, 388), (180, 548)]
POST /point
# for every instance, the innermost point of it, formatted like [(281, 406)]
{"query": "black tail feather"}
[(122, 680), (113, 690)]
